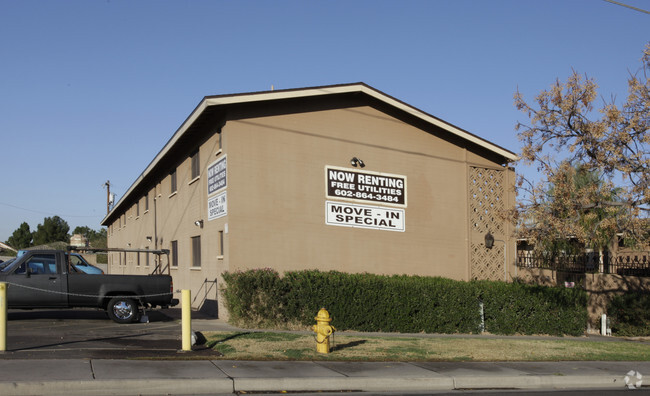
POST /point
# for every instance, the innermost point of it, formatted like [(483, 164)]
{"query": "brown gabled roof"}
[(211, 102)]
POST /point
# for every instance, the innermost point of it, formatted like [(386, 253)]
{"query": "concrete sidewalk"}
[(145, 377)]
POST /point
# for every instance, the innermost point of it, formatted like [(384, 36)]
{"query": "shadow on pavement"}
[(88, 314)]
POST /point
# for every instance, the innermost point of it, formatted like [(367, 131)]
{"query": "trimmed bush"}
[(254, 296), (630, 314), (518, 308), (400, 303)]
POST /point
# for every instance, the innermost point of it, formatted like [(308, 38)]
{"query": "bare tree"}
[(566, 131)]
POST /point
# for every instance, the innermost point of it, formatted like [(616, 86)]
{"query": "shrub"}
[(254, 296), (400, 303), (518, 308), (630, 314)]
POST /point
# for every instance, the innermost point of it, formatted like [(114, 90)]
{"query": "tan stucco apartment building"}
[(339, 177)]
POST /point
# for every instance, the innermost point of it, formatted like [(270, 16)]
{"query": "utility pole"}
[(108, 196)]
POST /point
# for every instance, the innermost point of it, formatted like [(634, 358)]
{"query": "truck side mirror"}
[(28, 272)]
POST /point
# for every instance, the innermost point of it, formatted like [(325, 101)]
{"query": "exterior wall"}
[(276, 202), (277, 195), (171, 217)]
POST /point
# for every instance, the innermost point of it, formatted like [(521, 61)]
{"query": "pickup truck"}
[(45, 279)]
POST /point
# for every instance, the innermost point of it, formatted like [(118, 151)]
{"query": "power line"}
[(47, 213), (628, 6)]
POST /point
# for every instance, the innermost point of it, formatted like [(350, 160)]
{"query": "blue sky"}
[(91, 91)]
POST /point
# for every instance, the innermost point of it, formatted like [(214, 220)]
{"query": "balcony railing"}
[(635, 264)]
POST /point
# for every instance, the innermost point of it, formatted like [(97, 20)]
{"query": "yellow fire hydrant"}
[(323, 331)]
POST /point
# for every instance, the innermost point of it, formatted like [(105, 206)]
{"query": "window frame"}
[(195, 165), (221, 242), (174, 254), (195, 242), (173, 182)]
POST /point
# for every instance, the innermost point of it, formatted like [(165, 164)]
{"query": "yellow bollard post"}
[(3, 316), (186, 319)]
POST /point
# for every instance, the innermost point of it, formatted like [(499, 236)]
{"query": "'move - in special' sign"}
[(218, 206), (364, 216), (217, 175), (344, 183)]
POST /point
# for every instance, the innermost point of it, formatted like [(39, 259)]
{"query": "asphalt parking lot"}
[(88, 333)]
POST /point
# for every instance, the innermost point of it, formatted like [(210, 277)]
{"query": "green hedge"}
[(630, 314), (406, 304)]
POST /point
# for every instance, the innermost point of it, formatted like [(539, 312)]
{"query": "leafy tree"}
[(84, 230), (566, 131), (53, 229), (100, 240), (96, 239), (21, 237), (566, 212), (91, 235)]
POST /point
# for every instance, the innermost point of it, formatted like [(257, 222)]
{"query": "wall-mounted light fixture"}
[(489, 240), (199, 223), (489, 243), (149, 239), (356, 161)]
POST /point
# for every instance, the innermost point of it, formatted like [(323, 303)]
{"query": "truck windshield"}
[(7, 263), (5, 266)]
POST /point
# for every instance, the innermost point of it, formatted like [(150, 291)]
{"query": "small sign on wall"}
[(364, 216), (217, 206), (217, 175)]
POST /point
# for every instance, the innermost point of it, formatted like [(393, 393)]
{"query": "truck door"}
[(37, 282)]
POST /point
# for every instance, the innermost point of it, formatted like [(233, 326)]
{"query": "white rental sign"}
[(364, 216), (217, 206), (217, 172)]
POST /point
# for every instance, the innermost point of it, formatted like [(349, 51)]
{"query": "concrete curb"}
[(304, 384), (118, 387), (538, 382), (342, 384), (419, 384)]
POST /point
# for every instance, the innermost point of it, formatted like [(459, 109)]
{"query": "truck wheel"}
[(122, 310)]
